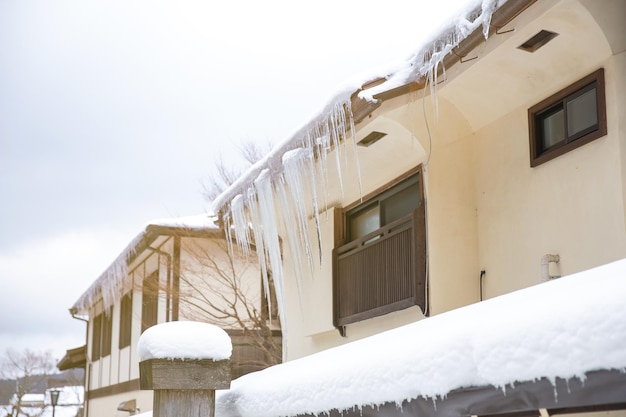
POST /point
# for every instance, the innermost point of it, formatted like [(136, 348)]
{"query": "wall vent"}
[(538, 40), (372, 138)]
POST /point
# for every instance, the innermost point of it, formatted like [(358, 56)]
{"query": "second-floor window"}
[(380, 253), (126, 319), (101, 335), (150, 301), (568, 119)]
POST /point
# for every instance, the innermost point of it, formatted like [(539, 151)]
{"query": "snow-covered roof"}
[(565, 329), (184, 340), (110, 283), (30, 398)]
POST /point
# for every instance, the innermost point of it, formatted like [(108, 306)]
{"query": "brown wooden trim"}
[(537, 158), (128, 386), (176, 279), (184, 374), (338, 226), (402, 90)]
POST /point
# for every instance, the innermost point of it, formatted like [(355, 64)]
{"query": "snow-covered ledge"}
[(555, 345), (184, 363)]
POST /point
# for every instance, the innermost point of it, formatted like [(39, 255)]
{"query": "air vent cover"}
[(371, 138), (538, 40)]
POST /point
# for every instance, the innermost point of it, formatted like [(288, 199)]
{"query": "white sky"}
[(112, 112)]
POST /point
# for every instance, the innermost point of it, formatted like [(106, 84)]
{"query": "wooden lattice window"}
[(379, 260)]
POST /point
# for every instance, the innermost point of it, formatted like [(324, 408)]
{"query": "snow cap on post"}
[(184, 340), (184, 355)]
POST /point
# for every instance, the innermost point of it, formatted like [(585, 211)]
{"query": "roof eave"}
[(362, 107)]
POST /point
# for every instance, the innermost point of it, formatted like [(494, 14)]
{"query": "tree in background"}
[(225, 298), (30, 369), (230, 294), (226, 173)]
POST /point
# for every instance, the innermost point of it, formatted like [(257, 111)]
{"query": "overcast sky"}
[(112, 113)]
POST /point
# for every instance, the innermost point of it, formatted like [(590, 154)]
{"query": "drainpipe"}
[(86, 374), (546, 260)]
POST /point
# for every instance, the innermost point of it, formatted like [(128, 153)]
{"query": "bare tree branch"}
[(225, 289), (28, 368), (226, 173)]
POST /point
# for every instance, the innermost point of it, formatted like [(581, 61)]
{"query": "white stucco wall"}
[(487, 209)]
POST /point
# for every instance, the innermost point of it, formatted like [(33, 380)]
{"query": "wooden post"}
[(184, 387)]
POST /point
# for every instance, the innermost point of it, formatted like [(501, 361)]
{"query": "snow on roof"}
[(184, 340), (559, 329), (109, 285), (465, 16), (198, 222), (33, 398)]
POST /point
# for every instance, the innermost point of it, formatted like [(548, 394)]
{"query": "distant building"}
[(171, 271)]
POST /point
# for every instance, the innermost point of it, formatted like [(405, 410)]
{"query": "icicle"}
[(265, 199), (111, 284), (240, 224), (355, 148), (298, 163), (488, 8), (257, 230), (294, 238)]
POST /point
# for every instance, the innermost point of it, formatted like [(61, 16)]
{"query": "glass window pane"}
[(364, 222), (582, 112), (401, 203), (552, 129)]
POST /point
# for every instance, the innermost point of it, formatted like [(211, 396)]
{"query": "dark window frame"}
[(101, 338), (107, 332), (407, 282), (537, 113), (150, 301), (126, 319), (96, 337)]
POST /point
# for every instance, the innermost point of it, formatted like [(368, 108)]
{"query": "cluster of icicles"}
[(280, 191), (287, 195), (111, 285)]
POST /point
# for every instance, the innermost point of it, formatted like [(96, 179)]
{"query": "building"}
[(175, 269), (427, 190)]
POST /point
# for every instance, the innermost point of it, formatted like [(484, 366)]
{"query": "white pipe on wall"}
[(546, 260)]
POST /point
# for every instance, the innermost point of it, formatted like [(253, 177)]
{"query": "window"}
[(379, 260), (126, 319), (107, 332), (567, 120), (96, 338), (150, 301), (101, 337)]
